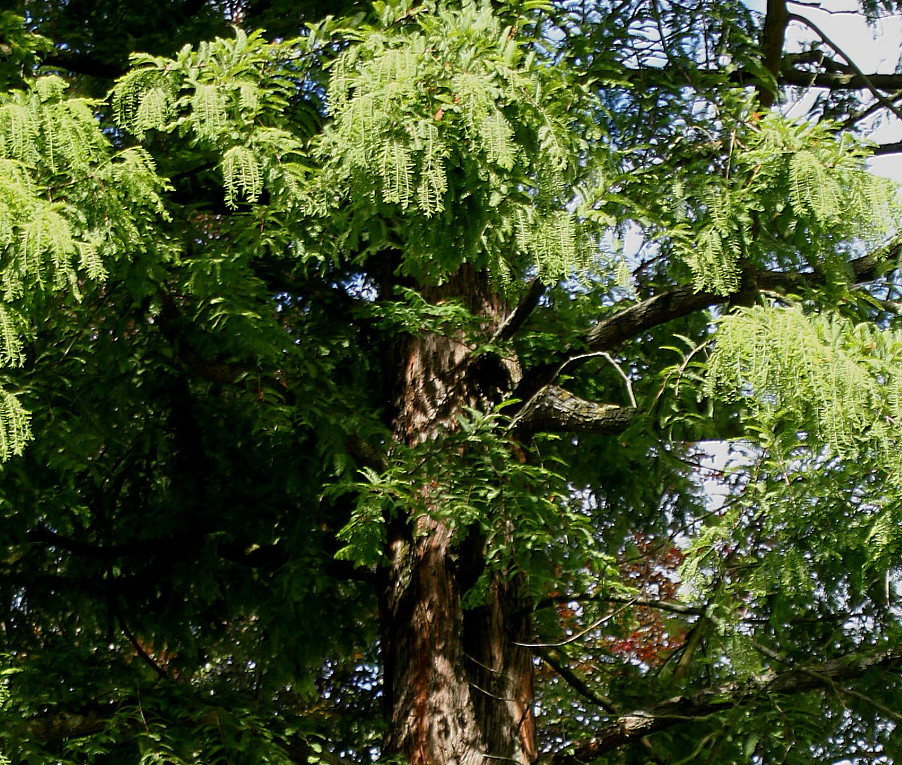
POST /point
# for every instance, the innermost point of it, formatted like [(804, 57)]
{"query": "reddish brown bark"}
[(458, 686)]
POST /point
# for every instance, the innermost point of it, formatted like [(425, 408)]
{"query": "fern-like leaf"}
[(15, 430)]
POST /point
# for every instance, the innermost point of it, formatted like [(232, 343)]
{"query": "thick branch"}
[(677, 302), (64, 726), (634, 725), (554, 409), (521, 313), (67, 725), (772, 39), (888, 148), (840, 80), (80, 63)]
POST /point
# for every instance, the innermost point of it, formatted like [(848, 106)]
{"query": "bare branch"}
[(634, 725), (576, 682), (868, 83), (669, 606)]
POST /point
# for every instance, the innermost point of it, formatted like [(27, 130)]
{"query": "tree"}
[(340, 423)]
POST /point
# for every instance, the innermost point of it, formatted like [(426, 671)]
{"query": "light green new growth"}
[(224, 95), (427, 110), (65, 198), (794, 196), (420, 112), (838, 383)]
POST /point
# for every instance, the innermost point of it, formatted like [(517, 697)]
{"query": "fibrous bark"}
[(458, 687)]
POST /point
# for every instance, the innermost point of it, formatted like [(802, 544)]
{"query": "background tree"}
[(354, 429)]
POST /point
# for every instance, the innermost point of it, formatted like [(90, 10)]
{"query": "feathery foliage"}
[(65, 196), (371, 369), (788, 196), (450, 104)]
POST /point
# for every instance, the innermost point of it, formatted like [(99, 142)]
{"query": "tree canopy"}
[(446, 383)]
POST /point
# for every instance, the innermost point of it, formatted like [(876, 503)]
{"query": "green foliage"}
[(214, 286), (836, 385), (477, 478), (453, 106), (224, 96), (65, 196), (788, 195), (19, 50)]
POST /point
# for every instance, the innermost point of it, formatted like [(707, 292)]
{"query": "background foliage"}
[(210, 252)]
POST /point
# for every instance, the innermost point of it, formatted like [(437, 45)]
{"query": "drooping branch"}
[(868, 83), (634, 725), (85, 64)]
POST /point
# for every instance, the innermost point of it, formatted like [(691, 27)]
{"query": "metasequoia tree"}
[(339, 422)]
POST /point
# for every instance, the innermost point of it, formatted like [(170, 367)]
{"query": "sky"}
[(874, 49)]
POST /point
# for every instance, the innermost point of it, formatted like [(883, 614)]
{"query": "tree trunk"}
[(458, 687)]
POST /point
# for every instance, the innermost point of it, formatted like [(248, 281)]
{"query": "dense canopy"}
[(447, 383)]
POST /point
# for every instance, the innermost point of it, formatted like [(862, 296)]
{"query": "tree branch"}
[(669, 606), (64, 726), (67, 725), (868, 83), (677, 302), (521, 313), (632, 726), (773, 37), (888, 148), (554, 409), (840, 80), (575, 682)]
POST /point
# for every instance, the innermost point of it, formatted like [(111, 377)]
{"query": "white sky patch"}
[(874, 49)]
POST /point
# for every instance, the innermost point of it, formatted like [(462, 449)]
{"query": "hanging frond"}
[(497, 138), (433, 178), (154, 110), (241, 175), (19, 131), (15, 430), (815, 190), (11, 352), (147, 76), (209, 107), (838, 382), (714, 260), (396, 173)]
